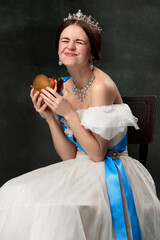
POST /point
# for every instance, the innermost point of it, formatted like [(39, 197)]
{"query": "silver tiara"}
[(79, 16)]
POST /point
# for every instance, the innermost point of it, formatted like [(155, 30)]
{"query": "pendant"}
[(80, 93)]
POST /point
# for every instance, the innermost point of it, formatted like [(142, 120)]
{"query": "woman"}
[(98, 192)]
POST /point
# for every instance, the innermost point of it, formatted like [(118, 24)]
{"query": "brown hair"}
[(92, 33)]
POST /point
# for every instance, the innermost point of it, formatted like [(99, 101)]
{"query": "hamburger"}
[(41, 82)]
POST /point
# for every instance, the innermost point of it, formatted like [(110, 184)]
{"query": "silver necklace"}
[(80, 93)]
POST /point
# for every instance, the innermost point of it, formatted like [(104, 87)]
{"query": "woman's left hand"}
[(56, 102)]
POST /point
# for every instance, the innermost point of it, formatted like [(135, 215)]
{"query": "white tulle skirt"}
[(69, 201)]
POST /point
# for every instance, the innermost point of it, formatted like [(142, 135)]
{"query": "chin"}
[(70, 63)]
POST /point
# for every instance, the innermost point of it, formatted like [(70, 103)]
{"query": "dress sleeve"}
[(107, 121)]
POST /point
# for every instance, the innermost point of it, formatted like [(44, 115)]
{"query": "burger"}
[(41, 82)]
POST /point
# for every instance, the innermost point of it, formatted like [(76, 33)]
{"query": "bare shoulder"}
[(103, 90), (102, 76)]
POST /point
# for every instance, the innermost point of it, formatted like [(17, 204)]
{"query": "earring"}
[(60, 63), (91, 64)]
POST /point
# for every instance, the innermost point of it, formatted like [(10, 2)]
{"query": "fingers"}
[(38, 104), (37, 101), (53, 92), (49, 105), (31, 92), (50, 97), (43, 107), (34, 96), (46, 99), (47, 94)]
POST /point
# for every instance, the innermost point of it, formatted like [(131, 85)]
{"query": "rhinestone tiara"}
[(79, 16)]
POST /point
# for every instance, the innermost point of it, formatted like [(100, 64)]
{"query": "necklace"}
[(80, 93)]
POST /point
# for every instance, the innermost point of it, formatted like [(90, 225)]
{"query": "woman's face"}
[(74, 46)]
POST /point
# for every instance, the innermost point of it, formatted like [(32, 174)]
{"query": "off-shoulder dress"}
[(80, 199)]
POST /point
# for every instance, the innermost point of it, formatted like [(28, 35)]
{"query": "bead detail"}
[(80, 93), (79, 16), (114, 154)]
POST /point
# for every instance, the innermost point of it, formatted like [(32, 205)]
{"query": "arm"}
[(63, 146), (93, 144)]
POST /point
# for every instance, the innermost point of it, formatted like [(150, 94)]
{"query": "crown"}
[(79, 16)]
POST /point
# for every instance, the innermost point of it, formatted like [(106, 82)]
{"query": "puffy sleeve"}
[(107, 121)]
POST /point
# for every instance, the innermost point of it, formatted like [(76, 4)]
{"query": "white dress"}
[(69, 200)]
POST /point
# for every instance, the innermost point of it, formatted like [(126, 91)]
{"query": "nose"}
[(71, 45)]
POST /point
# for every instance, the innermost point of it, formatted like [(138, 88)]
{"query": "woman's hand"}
[(56, 102), (37, 103)]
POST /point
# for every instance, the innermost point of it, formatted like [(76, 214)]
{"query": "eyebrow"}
[(65, 38)]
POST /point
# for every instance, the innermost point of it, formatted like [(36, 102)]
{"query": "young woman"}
[(97, 192)]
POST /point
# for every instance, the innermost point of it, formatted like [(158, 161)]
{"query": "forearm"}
[(86, 139), (63, 146)]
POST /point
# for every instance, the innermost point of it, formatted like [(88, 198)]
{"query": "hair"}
[(92, 33)]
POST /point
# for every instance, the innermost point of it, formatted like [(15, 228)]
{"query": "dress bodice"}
[(110, 122)]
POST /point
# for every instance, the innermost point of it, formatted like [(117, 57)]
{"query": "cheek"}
[(60, 48), (85, 51)]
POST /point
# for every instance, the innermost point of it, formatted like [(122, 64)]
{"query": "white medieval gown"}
[(70, 200)]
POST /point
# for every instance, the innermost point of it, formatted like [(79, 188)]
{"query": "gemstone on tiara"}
[(79, 16)]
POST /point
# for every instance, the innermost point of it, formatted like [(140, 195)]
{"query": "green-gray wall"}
[(130, 55)]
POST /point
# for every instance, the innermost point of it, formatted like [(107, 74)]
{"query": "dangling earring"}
[(91, 64), (60, 63)]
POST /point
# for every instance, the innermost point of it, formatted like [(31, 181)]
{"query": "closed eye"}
[(65, 41), (80, 42)]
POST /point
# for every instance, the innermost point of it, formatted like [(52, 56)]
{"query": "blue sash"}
[(115, 170), (66, 78)]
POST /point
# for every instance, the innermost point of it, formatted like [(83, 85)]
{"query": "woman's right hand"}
[(45, 111)]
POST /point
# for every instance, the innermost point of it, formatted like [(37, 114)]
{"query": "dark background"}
[(130, 55)]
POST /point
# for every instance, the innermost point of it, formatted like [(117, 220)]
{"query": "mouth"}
[(70, 54)]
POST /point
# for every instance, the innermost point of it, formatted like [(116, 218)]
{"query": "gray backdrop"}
[(130, 55)]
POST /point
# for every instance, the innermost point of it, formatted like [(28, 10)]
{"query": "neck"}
[(80, 76)]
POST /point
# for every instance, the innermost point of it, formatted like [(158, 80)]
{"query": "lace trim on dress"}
[(107, 121)]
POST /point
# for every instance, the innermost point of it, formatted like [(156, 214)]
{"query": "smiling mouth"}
[(70, 54)]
